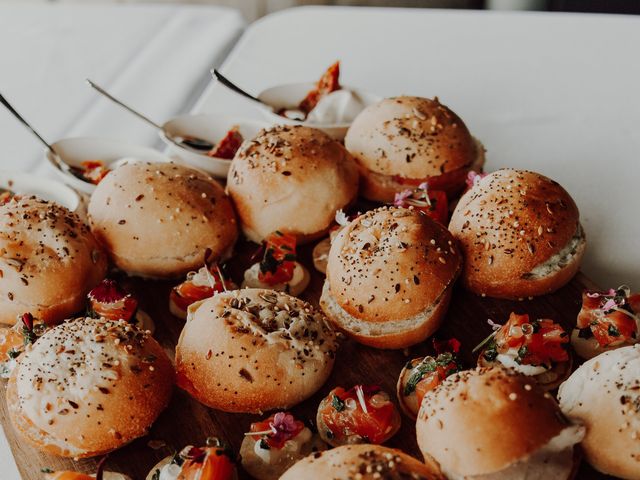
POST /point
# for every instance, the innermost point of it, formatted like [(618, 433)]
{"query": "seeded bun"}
[(390, 274), (70, 391), (364, 462), (157, 219), (413, 138), (604, 395), (483, 421), (292, 179), (49, 260), (513, 227), (254, 350)]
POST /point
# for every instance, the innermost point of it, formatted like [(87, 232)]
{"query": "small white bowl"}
[(43, 187), (74, 151), (290, 95), (211, 128)]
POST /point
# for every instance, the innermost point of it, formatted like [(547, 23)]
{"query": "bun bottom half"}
[(395, 334), (525, 287)]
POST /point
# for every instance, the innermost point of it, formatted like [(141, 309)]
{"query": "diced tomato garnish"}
[(282, 427), (610, 316), (208, 463), (94, 171), (428, 383), (329, 82), (434, 370), (374, 426), (538, 342), (278, 261), (228, 146), (439, 209), (188, 292)]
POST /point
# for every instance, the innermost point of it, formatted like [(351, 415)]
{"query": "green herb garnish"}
[(337, 403)]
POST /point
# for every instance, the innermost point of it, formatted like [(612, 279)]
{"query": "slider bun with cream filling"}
[(404, 141), (604, 394), (254, 350), (89, 386), (520, 234), (494, 424), (49, 261), (365, 462), (157, 219), (292, 179), (390, 275)]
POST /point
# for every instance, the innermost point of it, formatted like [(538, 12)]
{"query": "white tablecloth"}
[(554, 93), (156, 57)]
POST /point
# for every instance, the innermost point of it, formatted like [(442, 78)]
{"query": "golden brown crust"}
[(253, 350), (603, 394), (412, 137), (362, 462), (157, 219), (391, 263), (508, 224), (511, 419), (88, 372), (292, 179), (49, 260)]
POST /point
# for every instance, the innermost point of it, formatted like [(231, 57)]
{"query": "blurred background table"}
[(155, 56)]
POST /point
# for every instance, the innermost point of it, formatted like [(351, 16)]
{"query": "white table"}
[(554, 93), (158, 57)]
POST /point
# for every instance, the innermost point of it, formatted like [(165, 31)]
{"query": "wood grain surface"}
[(187, 422)]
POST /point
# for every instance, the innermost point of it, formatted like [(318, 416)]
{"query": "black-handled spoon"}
[(232, 86)]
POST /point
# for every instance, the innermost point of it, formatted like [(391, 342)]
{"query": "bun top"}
[(364, 462), (513, 220), (156, 213), (391, 263), (481, 421), (412, 137), (78, 378), (47, 255), (604, 394), (271, 317), (288, 168)]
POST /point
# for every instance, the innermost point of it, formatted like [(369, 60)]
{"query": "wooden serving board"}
[(187, 422)]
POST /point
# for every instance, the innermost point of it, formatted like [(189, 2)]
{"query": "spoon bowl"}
[(29, 184), (112, 153)]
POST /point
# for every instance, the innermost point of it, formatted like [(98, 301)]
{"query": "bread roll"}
[(49, 260), (158, 219), (89, 386), (292, 179), (604, 394), (494, 424), (364, 462), (390, 274), (520, 234), (254, 350), (403, 141)]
